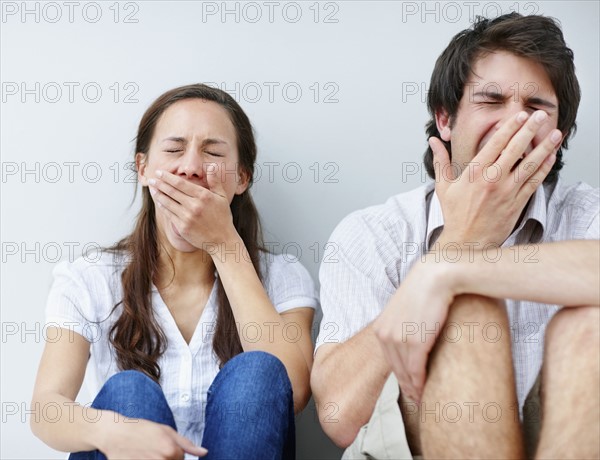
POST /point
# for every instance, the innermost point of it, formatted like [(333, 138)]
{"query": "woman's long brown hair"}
[(136, 336)]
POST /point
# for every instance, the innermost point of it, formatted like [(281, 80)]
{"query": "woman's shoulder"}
[(85, 290), (93, 268), (287, 281), (278, 264)]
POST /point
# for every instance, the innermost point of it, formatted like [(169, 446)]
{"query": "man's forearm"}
[(346, 380), (563, 273)]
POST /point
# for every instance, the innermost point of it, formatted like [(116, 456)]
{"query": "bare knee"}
[(477, 305), (477, 318), (572, 341), (474, 342), (573, 326), (570, 380)]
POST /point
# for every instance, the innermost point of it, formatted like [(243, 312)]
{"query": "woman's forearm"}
[(67, 426), (260, 326)]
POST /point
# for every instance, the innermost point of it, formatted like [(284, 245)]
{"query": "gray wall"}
[(335, 91)]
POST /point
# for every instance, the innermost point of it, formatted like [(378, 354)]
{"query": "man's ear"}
[(242, 182), (442, 120), (140, 164)]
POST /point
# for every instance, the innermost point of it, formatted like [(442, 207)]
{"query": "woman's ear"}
[(140, 164), (243, 180), (442, 121)]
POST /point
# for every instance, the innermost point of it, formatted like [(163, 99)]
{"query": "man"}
[(416, 356)]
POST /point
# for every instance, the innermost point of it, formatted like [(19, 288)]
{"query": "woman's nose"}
[(191, 165)]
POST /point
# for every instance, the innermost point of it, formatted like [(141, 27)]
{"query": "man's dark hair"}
[(533, 37)]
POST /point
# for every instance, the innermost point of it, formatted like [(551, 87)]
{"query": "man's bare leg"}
[(469, 380), (570, 386)]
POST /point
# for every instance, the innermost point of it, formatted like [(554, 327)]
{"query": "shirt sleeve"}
[(593, 231), (69, 305), (358, 280), (289, 285)]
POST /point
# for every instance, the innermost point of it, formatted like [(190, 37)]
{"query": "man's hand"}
[(412, 321), (484, 203)]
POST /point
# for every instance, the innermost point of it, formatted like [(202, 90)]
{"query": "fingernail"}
[(540, 116), (555, 136), (152, 181), (521, 117), (431, 145), (152, 191), (159, 173)]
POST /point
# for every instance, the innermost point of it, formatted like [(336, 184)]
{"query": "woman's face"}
[(189, 137)]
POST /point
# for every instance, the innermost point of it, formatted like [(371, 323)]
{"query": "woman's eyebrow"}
[(212, 141), (205, 142), (174, 139)]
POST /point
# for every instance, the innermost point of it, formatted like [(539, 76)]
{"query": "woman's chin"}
[(180, 244)]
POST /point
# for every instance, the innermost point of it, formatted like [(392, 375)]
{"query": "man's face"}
[(501, 85)]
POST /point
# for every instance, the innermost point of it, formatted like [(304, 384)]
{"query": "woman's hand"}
[(199, 215), (126, 438)]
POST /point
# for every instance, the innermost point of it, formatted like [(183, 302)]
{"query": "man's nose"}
[(510, 110)]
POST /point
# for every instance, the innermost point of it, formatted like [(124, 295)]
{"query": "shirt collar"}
[(536, 211)]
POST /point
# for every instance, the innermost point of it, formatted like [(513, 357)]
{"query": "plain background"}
[(335, 91)]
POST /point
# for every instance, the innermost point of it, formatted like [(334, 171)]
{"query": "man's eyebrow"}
[(490, 94), (542, 102), (494, 95)]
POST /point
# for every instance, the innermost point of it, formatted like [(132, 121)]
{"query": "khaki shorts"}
[(384, 436)]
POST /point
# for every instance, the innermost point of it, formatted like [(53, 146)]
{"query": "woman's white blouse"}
[(85, 291)]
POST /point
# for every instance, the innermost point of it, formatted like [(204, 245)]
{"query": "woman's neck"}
[(184, 269)]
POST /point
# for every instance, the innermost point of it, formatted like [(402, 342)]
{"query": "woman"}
[(188, 323)]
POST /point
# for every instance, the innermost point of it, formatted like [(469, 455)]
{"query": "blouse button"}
[(185, 397)]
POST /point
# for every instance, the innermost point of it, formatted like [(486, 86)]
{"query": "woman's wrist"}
[(100, 428), (230, 247)]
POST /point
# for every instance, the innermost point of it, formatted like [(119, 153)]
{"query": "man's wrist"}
[(446, 270)]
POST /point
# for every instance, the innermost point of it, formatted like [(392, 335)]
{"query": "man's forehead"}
[(503, 72), (507, 83)]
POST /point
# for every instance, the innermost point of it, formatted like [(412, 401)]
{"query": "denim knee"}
[(131, 394), (259, 368), (250, 411), (120, 385), (252, 379), (135, 395)]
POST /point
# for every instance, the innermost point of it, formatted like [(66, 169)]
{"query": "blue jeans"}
[(249, 412)]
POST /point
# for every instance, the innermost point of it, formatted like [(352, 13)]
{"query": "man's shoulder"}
[(400, 215), (578, 193), (580, 198)]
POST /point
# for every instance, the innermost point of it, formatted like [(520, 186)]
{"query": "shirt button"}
[(185, 397)]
